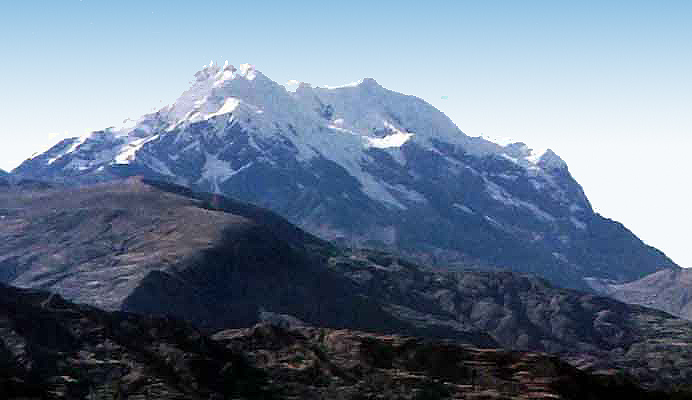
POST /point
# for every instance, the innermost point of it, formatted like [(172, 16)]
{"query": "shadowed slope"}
[(53, 349), (156, 248)]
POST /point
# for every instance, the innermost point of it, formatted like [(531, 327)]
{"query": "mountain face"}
[(364, 166), (156, 248), (92, 354), (668, 290)]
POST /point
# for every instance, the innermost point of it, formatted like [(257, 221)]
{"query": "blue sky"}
[(607, 85)]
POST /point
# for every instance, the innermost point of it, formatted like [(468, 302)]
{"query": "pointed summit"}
[(550, 160), (369, 83)]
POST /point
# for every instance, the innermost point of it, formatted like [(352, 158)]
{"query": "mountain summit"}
[(365, 166)]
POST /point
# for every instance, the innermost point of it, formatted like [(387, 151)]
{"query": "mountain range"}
[(365, 167), (368, 236), (155, 248)]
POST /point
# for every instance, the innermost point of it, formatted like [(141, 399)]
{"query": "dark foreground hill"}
[(53, 349), (153, 248)]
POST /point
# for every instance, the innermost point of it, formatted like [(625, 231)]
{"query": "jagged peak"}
[(550, 160), (361, 112), (225, 72), (247, 71)]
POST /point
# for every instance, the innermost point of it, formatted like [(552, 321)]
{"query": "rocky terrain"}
[(526, 313), (154, 248), (316, 363), (669, 290), (367, 167), (53, 349)]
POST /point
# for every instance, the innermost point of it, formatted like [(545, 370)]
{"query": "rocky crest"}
[(91, 354)]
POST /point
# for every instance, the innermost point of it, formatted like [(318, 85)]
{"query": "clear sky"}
[(606, 84)]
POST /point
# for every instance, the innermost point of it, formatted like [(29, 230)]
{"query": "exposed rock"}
[(52, 349), (155, 248), (312, 363)]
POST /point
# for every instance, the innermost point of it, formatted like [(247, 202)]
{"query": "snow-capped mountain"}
[(366, 166)]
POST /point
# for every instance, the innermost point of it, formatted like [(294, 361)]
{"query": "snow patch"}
[(158, 166), (129, 150), (497, 193), (365, 115), (216, 171), (76, 143), (407, 193), (228, 106), (463, 208), (393, 140), (348, 85), (247, 71)]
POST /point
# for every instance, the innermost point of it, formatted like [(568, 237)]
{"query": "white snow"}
[(292, 85), (128, 151), (77, 164), (158, 166), (393, 140), (76, 143), (216, 171), (535, 155), (348, 85), (406, 193), (230, 104), (497, 193), (247, 71), (365, 115), (396, 139), (463, 208)]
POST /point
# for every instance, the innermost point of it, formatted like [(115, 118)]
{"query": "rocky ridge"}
[(99, 355)]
